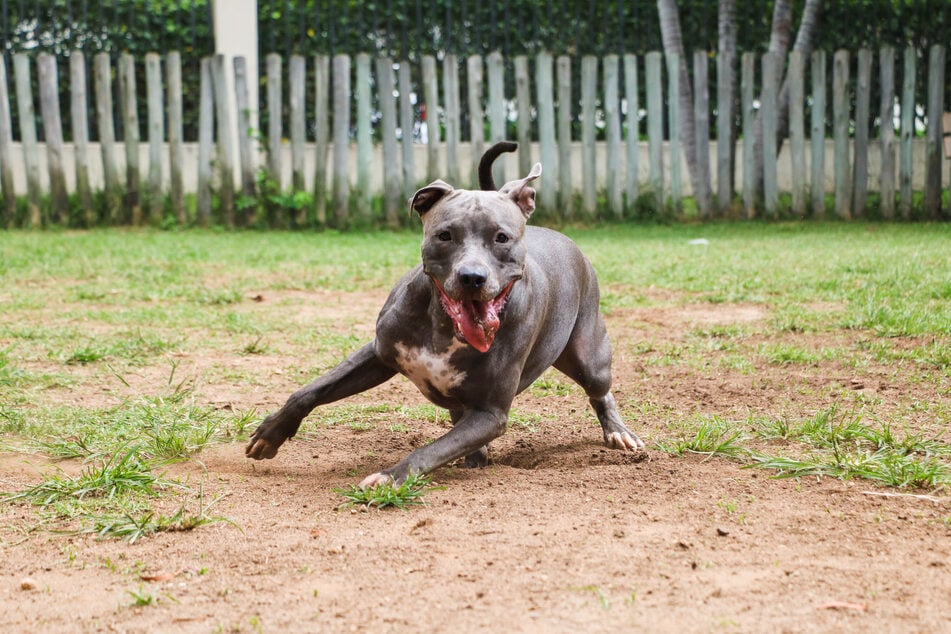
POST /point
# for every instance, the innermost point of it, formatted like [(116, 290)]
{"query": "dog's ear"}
[(521, 193), (424, 199)]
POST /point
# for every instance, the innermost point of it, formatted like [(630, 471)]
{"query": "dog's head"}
[(473, 250)]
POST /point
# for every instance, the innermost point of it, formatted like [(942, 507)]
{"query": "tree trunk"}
[(778, 44), (726, 51), (673, 43)]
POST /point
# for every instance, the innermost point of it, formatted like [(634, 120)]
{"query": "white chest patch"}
[(428, 369)]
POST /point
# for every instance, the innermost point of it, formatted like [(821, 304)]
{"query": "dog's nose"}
[(472, 277)]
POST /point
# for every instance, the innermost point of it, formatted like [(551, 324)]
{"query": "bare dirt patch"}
[(558, 534)]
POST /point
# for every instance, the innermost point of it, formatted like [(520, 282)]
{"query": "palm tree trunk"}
[(673, 43)]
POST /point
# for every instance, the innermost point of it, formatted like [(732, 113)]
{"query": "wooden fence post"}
[(887, 131), (747, 77), (406, 125), (102, 66), (31, 150), (225, 147), (79, 116), (797, 132), (321, 135), (206, 127), (275, 119), (934, 138), (907, 133), (297, 81), (840, 124), (589, 87), (392, 203), (364, 136), (6, 150), (655, 128), (176, 149), (53, 127), (863, 96), (523, 104), (246, 208), (547, 145), (476, 116), (633, 143), (817, 134), (495, 67), (341, 136), (156, 126), (701, 107), (770, 63), (612, 120), (130, 127), (565, 185), (450, 73), (725, 149), (673, 131), (431, 101)]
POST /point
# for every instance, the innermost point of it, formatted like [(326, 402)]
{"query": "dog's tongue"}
[(474, 321)]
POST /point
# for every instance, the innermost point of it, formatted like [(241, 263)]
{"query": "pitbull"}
[(492, 306)]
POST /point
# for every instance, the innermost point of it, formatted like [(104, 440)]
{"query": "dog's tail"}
[(486, 182)]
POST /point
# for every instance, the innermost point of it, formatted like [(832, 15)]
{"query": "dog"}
[(493, 305)]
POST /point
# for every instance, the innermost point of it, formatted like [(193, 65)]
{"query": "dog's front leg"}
[(357, 373), (473, 430)]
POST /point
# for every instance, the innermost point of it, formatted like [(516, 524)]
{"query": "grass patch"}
[(708, 436), (402, 496)]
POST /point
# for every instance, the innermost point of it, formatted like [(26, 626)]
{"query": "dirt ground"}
[(558, 534)]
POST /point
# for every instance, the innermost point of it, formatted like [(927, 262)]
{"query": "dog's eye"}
[(501, 238), (444, 236)]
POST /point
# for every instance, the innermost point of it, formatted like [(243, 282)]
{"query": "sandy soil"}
[(558, 534)]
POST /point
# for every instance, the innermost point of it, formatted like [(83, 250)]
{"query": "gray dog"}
[(492, 306)]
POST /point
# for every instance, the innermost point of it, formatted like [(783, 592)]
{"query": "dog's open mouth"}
[(475, 322)]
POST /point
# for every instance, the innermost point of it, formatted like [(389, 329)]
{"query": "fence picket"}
[(589, 83), (79, 117), (6, 150), (612, 116), (102, 66), (523, 104), (296, 79), (321, 135), (544, 86), (431, 102), (225, 147), (176, 149), (887, 131), (275, 120), (933, 149), (565, 187), (495, 70), (364, 135), (341, 139), (655, 127), (633, 143), (450, 73), (863, 93), (155, 101), (797, 132), (406, 126), (206, 127), (673, 130), (53, 128), (840, 126), (747, 71), (391, 169), (476, 115), (768, 109), (246, 211), (725, 148), (817, 134), (31, 149), (132, 208), (701, 105)]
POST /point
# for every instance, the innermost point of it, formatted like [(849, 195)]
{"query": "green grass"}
[(96, 322), (401, 496)]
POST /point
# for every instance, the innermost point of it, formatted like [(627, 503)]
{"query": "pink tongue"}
[(477, 322)]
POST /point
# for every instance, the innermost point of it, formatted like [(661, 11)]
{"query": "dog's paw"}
[(375, 480), (625, 441), (260, 448)]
